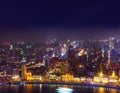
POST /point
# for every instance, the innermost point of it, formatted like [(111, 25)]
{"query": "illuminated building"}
[(63, 51), (75, 44), (67, 77), (15, 72), (43, 63), (15, 75), (101, 74), (113, 78), (103, 51), (89, 79), (36, 78), (97, 79), (76, 79), (105, 80), (23, 68), (113, 74), (16, 78), (81, 52), (86, 53), (109, 57), (11, 47), (29, 76), (101, 79), (52, 77), (71, 53), (111, 43), (83, 79), (62, 68)]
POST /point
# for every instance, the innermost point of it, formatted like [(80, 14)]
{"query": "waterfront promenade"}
[(114, 86)]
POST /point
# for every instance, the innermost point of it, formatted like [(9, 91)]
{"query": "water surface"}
[(46, 88)]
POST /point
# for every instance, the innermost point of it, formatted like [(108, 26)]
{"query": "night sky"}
[(40, 20)]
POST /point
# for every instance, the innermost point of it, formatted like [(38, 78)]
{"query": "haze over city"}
[(40, 35)]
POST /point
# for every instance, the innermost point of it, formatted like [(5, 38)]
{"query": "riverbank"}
[(67, 83)]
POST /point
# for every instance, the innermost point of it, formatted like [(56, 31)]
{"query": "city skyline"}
[(60, 46)]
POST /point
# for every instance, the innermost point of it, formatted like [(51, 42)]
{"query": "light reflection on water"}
[(46, 88), (105, 90), (64, 90)]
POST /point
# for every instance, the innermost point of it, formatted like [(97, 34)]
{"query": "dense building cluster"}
[(79, 58)]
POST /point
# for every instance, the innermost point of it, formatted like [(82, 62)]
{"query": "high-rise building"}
[(23, 68), (111, 43)]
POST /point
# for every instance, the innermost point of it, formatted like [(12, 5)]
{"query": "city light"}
[(60, 46), (73, 61)]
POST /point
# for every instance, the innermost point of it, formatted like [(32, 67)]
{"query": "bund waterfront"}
[(52, 88)]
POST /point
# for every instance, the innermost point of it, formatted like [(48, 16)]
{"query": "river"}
[(52, 88)]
